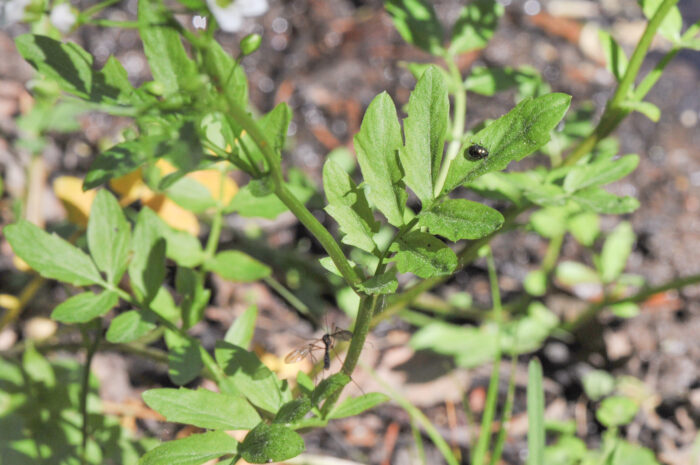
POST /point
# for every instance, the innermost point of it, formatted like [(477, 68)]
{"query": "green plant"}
[(196, 116)]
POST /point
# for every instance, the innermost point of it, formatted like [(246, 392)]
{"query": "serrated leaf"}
[(166, 55), (423, 255), (356, 405), (82, 308), (130, 326), (71, 67), (109, 236), (240, 333), (184, 358), (417, 23), (511, 137), (270, 443), (600, 201), (202, 408), (384, 283), (425, 128), (225, 71), (191, 450), (237, 266), (458, 219), (377, 145), (475, 26), (249, 376), (293, 411), (599, 173), (348, 206), (328, 386), (615, 58), (50, 255), (616, 250)]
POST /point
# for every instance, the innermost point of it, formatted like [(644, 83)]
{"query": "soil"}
[(327, 59)]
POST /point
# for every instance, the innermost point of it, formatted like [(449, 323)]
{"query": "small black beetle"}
[(476, 152)]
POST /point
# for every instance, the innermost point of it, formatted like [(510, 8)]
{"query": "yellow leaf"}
[(221, 186), (173, 214), (130, 188), (77, 202)]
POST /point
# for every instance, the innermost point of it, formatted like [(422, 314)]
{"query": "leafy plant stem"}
[(289, 296), (369, 304), (552, 254), (642, 295), (614, 111), (285, 195), (85, 382), (482, 445), (418, 441), (418, 417), (381, 265), (458, 120)]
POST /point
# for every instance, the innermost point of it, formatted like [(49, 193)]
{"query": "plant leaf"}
[(475, 26), (648, 109), (293, 411), (348, 206), (270, 443), (82, 308), (535, 414), (600, 201), (240, 333), (615, 58), (108, 236), (417, 23), (672, 24), (425, 128), (384, 283), (184, 358), (195, 296), (249, 376), (356, 405), (424, 255), (599, 173), (328, 386), (191, 450), (616, 411), (511, 137), (616, 250), (237, 266), (377, 145), (50, 255), (202, 408), (166, 55), (147, 266), (458, 219), (130, 326)]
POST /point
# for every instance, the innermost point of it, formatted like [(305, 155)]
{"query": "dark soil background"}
[(327, 59)]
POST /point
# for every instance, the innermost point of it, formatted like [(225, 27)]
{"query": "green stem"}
[(614, 113), (482, 445), (459, 116), (85, 385), (93, 10), (369, 304), (284, 194), (642, 295), (293, 300)]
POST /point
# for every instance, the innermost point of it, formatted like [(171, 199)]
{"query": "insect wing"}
[(298, 354), (342, 335)]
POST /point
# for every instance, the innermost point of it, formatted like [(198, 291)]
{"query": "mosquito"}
[(328, 340)]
